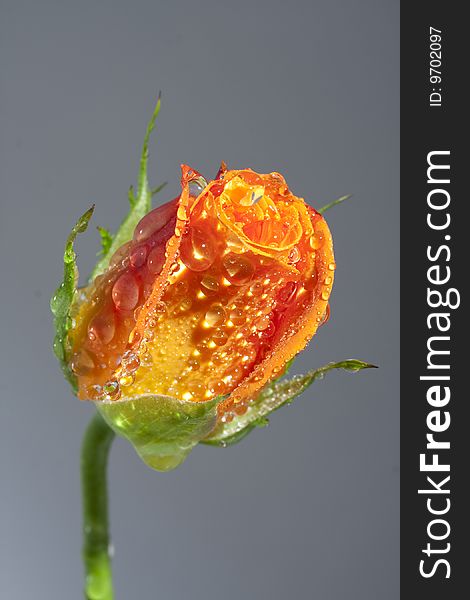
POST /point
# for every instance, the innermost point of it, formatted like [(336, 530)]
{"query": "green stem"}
[(95, 450)]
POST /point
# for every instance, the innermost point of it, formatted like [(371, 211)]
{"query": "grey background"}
[(309, 506)]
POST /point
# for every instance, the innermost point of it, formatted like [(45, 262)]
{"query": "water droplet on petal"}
[(316, 241), (198, 249), (209, 285), (127, 380), (196, 186), (294, 255), (237, 317), (262, 323), (156, 260), (82, 363), (269, 330), (102, 327), (239, 269), (130, 361), (146, 359), (219, 337), (155, 220), (181, 213), (126, 292), (138, 256), (94, 392), (215, 315), (111, 390)]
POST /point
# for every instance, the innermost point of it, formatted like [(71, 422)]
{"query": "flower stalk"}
[(94, 460)]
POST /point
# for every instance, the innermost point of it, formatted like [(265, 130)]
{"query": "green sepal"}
[(163, 430), (106, 240), (334, 203), (273, 396), (140, 203), (63, 298)]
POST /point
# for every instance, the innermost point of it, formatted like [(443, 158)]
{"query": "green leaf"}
[(106, 240), (140, 203), (273, 396), (158, 188), (334, 203), (62, 299), (163, 430)]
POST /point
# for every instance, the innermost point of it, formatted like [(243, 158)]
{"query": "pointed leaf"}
[(334, 203), (106, 240), (64, 296), (140, 203), (272, 397), (158, 188), (163, 430)]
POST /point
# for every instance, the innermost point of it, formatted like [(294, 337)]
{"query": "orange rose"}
[(195, 310), (216, 291), (191, 317)]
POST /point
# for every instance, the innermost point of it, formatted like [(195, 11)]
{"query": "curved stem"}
[(94, 460)]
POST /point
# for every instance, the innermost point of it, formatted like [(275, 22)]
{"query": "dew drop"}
[(138, 256), (82, 363), (216, 386), (262, 323), (146, 359), (156, 260), (130, 361), (160, 308), (185, 304), (239, 269), (325, 316), (256, 287), (209, 285), (111, 390), (94, 392), (294, 255), (332, 266), (196, 186), (198, 249), (126, 292), (127, 380), (269, 330), (149, 335), (220, 337), (134, 336), (193, 364), (155, 220), (325, 295), (215, 315), (116, 259), (102, 327), (196, 388), (316, 241), (181, 213), (237, 317)]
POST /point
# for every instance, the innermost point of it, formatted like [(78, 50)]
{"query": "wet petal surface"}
[(215, 293)]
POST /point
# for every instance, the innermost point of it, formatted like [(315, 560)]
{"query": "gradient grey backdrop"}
[(307, 508)]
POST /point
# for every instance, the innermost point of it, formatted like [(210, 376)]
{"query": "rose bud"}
[(184, 332)]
